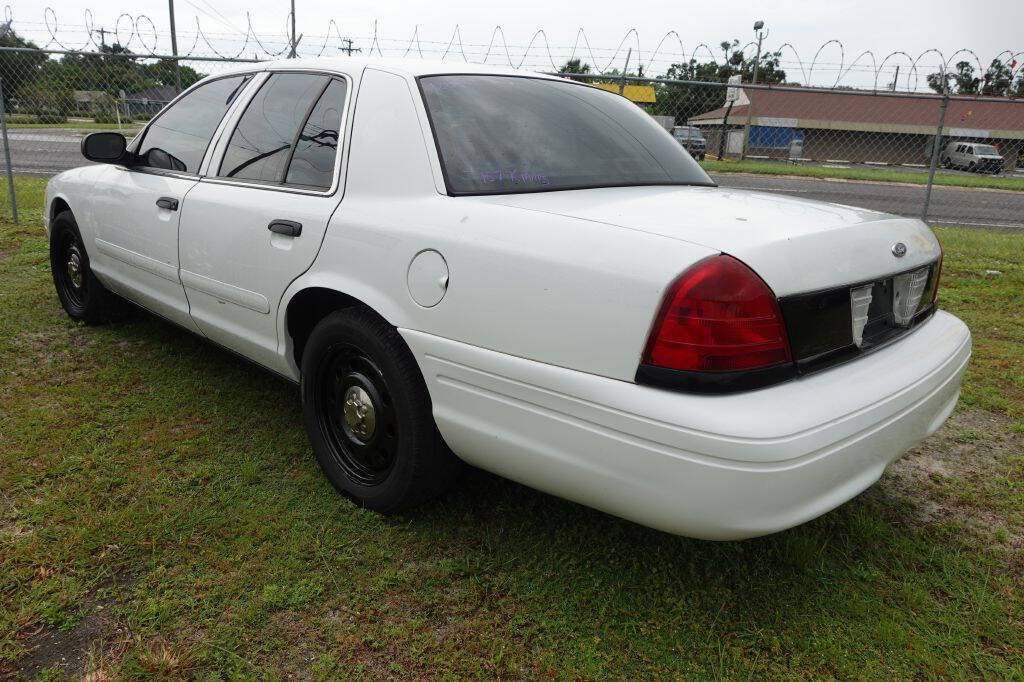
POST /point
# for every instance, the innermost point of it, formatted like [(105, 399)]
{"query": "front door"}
[(257, 222), (137, 210), (137, 239)]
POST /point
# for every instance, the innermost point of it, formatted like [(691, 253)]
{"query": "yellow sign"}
[(641, 94)]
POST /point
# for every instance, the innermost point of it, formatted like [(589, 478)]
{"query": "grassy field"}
[(161, 515), (877, 175)]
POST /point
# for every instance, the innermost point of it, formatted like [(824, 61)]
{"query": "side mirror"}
[(105, 148)]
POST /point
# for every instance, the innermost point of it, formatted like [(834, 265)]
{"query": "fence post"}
[(725, 131), (622, 77), (7, 154), (935, 153)]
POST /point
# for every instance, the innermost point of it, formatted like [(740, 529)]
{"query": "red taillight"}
[(719, 316)]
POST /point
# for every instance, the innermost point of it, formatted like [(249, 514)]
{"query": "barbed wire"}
[(139, 35)]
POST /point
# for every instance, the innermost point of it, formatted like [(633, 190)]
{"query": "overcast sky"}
[(883, 26)]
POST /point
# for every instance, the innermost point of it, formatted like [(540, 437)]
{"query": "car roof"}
[(406, 66)]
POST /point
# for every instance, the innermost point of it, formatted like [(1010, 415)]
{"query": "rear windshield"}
[(510, 134)]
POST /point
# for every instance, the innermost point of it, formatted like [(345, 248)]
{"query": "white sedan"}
[(525, 273)]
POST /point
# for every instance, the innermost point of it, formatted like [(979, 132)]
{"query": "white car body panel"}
[(546, 302), (135, 242), (769, 232), (723, 467)]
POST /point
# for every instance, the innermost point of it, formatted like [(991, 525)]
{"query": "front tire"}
[(81, 294), (368, 414)]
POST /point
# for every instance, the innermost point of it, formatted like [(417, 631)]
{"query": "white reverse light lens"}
[(906, 295), (860, 301)]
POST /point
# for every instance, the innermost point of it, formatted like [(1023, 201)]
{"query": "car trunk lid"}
[(795, 245)]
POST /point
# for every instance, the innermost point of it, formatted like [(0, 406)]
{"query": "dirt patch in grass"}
[(943, 480), (66, 651)]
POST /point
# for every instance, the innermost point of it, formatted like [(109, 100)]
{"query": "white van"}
[(972, 156)]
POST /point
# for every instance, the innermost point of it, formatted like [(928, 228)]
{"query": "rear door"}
[(137, 208), (257, 219)]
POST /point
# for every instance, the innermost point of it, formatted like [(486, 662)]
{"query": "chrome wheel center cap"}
[(360, 415), (75, 270)]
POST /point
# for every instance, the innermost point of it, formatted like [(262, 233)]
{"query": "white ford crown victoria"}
[(524, 271)]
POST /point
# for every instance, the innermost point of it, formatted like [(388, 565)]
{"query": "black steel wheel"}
[(357, 414), (82, 296), (368, 414)]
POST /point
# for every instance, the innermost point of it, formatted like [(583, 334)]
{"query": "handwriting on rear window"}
[(514, 176)]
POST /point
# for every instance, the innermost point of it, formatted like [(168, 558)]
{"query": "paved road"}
[(42, 151), (949, 205)]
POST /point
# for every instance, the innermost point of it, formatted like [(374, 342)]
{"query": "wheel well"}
[(58, 207), (307, 308)]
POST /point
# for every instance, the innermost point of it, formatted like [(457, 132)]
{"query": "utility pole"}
[(103, 35), (936, 143), (348, 49), (292, 55), (174, 50), (758, 25), (625, 68)]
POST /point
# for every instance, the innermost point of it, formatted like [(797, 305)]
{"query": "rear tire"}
[(368, 414), (972, 167), (81, 294)]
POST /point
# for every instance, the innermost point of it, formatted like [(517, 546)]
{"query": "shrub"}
[(21, 118), (50, 116), (105, 117), (42, 100)]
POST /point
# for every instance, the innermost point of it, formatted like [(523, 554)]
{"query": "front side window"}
[(264, 141), (177, 139), (510, 134)]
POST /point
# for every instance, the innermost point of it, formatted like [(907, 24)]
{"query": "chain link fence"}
[(951, 160)]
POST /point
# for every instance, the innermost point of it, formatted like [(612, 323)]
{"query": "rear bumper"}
[(715, 467)]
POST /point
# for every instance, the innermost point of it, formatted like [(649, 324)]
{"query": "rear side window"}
[(177, 139), (264, 140), (313, 161)]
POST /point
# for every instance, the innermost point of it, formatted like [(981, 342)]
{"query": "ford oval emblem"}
[(899, 249)]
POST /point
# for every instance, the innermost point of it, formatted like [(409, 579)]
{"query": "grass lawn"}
[(161, 515), (877, 175)]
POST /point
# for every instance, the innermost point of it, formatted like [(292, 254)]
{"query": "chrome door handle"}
[(168, 203), (289, 228)]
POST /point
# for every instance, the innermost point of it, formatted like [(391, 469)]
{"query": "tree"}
[(685, 100), (17, 68), (575, 66), (962, 81), (163, 72), (997, 79)]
